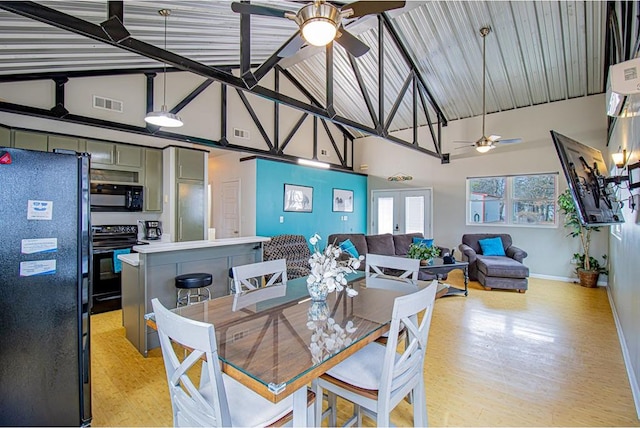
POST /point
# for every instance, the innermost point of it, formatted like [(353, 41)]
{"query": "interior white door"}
[(230, 209), (406, 211)]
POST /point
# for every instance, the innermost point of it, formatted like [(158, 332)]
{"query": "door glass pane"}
[(385, 215), (414, 214)]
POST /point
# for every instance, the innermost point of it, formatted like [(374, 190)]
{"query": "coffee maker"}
[(152, 230)]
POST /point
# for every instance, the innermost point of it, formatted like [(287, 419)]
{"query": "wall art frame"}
[(298, 198), (342, 200)]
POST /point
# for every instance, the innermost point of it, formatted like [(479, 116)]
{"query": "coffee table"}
[(438, 268)]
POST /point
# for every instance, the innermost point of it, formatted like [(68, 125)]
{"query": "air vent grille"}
[(241, 133), (103, 103)]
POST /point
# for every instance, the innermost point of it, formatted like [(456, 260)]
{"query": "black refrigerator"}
[(45, 286)]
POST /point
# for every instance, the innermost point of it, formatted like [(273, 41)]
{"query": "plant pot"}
[(426, 262), (588, 278)]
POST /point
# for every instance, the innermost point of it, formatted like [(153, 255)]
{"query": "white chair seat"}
[(363, 369), (247, 408)]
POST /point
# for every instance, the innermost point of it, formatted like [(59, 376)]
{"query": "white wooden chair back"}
[(376, 263), (250, 277), (401, 373), (190, 407), (392, 283)]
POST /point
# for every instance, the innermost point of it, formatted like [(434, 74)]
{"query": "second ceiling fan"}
[(484, 144), (320, 22)]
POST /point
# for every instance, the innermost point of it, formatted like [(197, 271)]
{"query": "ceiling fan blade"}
[(351, 43), (494, 138), (511, 141), (361, 8), (464, 147), (254, 9), (292, 47)]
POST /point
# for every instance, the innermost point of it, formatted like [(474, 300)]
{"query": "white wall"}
[(549, 249), (229, 168), (624, 270)]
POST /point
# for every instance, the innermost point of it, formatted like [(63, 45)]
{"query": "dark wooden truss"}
[(113, 32)]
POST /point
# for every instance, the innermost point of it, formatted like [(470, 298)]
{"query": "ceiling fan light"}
[(484, 149), (163, 118), (319, 31)]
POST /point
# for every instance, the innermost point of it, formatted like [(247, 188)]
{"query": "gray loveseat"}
[(495, 271), (385, 244)]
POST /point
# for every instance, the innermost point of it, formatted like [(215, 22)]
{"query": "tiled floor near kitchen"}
[(550, 357)]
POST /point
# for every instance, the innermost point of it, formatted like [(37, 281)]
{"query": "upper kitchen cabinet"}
[(152, 180), (105, 153), (5, 137), (65, 143), (190, 164), (30, 140)]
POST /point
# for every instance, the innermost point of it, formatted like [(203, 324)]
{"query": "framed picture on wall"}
[(343, 200), (298, 198)]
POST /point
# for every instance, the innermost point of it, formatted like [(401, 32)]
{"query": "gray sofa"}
[(495, 271), (385, 244)]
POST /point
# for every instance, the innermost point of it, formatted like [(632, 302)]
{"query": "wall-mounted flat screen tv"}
[(586, 174)]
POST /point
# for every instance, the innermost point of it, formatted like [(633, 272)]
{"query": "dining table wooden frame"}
[(244, 353)]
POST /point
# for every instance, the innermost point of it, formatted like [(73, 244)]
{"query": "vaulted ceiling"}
[(537, 52)]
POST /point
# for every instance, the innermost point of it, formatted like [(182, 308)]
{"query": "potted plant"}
[(588, 268), (423, 252)]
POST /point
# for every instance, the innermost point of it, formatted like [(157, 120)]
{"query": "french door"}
[(406, 211)]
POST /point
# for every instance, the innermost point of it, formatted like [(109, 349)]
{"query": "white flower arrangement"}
[(327, 273), (328, 338)]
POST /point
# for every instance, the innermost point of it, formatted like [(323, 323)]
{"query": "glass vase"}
[(317, 292)]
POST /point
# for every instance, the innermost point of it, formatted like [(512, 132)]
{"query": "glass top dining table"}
[(275, 340)]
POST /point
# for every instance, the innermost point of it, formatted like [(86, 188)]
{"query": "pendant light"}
[(164, 118)]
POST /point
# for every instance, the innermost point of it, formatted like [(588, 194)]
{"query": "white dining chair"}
[(376, 263), (219, 400), (378, 377), (258, 275)]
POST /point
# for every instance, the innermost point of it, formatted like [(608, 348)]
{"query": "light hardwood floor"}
[(550, 357)]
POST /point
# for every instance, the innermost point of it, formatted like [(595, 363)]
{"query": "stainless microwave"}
[(116, 197)]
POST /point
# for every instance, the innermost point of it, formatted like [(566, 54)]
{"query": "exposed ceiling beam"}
[(113, 32)]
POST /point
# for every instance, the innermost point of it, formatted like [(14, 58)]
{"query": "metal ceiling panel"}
[(538, 51)]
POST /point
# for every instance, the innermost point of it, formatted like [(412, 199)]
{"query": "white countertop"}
[(162, 247), (132, 259)]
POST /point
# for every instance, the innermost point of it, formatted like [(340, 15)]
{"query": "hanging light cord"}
[(484, 79), (164, 72)]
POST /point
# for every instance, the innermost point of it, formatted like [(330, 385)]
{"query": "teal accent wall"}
[(271, 177)]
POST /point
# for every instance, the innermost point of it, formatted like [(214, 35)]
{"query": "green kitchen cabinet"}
[(190, 164), (153, 180), (106, 153), (5, 137), (189, 212), (30, 140), (65, 143)]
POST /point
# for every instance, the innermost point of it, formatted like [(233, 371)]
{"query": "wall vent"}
[(103, 103), (241, 133)]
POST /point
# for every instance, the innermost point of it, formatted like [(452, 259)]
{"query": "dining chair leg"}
[(333, 415), (318, 416), (419, 406)]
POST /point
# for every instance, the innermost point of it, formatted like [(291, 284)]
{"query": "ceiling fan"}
[(484, 144), (320, 22)]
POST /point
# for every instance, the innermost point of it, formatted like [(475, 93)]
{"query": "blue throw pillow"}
[(348, 247), (492, 246), (426, 242)]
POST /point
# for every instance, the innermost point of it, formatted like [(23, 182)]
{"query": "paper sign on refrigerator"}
[(39, 210)]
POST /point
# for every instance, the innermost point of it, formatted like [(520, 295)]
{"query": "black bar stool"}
[(195, 285)]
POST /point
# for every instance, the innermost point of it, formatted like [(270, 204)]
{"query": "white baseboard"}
[(635, 387), (573, 279)]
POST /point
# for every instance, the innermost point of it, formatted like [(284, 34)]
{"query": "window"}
[(520, 200)]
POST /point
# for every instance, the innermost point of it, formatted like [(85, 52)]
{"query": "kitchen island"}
[(150, 273)]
